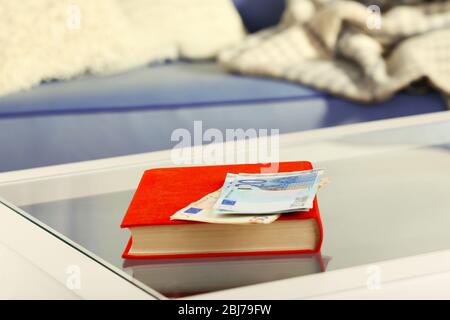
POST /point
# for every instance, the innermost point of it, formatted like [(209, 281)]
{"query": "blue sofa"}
[(135, 112)]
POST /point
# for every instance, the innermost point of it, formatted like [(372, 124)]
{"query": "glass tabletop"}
[(388, 198)]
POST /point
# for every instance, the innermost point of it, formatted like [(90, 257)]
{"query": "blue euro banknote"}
[(269, 193)]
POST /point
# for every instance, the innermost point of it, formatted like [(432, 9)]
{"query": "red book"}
[(162, 192)]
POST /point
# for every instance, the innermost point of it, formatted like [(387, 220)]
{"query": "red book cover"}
[(162, 192)]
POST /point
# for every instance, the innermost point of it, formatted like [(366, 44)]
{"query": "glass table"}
[(388, 200)]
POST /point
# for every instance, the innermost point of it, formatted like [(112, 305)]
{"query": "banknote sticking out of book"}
[(225, 210)]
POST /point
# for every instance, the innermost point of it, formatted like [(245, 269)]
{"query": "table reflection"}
[(185, 277)]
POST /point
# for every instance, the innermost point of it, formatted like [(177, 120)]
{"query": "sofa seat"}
[(135, 112)]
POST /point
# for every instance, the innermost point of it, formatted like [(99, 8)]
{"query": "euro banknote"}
[(202, 210), (269, 193)]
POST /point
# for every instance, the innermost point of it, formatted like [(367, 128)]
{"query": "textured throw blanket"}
[(56, 39), (348, 48)]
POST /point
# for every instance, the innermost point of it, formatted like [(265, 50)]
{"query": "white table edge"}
[(342, 280), (52, 253)]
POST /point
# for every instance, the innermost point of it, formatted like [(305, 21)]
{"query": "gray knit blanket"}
[(353, 49)]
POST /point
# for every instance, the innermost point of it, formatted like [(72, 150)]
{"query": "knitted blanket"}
[(352, 50)]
